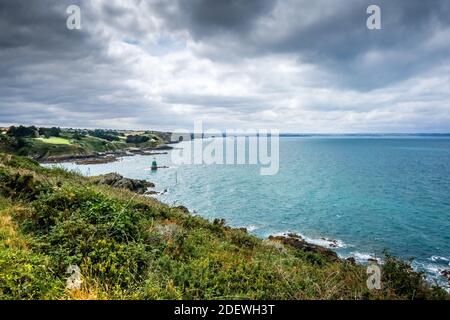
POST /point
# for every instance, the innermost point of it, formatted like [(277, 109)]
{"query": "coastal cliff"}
[(128, 246)]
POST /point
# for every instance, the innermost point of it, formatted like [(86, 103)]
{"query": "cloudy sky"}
[(299, 66)]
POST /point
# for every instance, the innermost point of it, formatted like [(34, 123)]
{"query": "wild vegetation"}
[(129, 246)]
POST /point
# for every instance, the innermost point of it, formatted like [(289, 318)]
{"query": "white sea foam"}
[(438, 259), (362, 257), (433, 271), (325, 242), (251, 228), (322, 241)]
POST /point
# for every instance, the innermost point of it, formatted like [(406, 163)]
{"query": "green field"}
[(55, 140)]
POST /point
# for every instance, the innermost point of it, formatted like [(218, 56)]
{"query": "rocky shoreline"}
[(293, 240), (115, 180), (106, 157), (297, 242)]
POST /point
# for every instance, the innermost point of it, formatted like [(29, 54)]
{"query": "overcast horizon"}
[(297, 66)]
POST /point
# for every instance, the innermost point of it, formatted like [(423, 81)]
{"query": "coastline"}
[(150, 231), (105, 157), (289, 238), (294, 238)]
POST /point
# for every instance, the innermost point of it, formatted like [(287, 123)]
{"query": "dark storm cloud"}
[(50, 75), (39, 27), (332, 34), (204, 18)]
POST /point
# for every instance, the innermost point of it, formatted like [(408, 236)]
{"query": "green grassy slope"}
[(132, 247)]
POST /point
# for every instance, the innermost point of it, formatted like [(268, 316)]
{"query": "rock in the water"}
[(351, 260), (301, 244), (117, 181)]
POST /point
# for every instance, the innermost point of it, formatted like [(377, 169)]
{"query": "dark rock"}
[(183, 208), (219, 222), (95, 158), (446, 275), (294, 235), (99, 160), (301, 244), (332, 243), (117, 181), (163, 147), (351, 260)]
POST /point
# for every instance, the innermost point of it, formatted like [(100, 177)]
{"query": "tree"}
[(23, 132), (50, 132)]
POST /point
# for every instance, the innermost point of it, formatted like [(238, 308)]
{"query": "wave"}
[(439, 259), (251, 228), (363, 258), (433, 270)]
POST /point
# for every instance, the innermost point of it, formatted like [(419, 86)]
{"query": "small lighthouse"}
[(154, 165)]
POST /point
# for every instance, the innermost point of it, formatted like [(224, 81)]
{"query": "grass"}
[(55, 140), (132, 247)]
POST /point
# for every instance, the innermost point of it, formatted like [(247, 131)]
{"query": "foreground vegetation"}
[(132, 247), (48, 143)]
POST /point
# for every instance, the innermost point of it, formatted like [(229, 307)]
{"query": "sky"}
[(294, 65)]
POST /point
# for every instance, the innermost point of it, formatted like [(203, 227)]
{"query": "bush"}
[(27, 276), (108, 135), (137, 139), (17, 186), (7, 143)]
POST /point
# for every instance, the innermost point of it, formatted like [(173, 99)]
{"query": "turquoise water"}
[(369, 193)]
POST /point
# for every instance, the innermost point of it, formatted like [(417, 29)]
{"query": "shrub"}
[(25, 275), (137, 139), (108, 135), (17, 186)]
